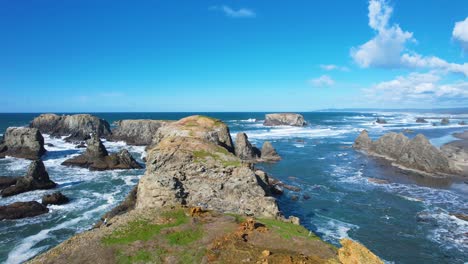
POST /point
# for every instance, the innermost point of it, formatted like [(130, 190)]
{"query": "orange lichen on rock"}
[(353, 252)]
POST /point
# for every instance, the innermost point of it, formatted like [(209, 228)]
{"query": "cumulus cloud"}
[(322, 81), (239, 13), (388, 47), (331, 67), (460, 33)]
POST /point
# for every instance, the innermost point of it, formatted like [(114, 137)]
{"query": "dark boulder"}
[(381, 121), (444, 121), (55, 198), (420, 120), (36, 178), (22, 210), (22, 142)]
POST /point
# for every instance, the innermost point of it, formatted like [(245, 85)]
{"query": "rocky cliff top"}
[(284, 119)]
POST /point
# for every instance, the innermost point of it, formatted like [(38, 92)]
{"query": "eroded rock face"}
[(269, 153), (137, 132), (192, 164), (54, 198), (353, 253), (22, 142), (36, 178), (76, 127), (96, 157), (22, 210), (284, 119), (245, 150), (417, 154)]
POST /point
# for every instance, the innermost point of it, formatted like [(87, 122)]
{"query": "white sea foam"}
[(295, 132), (333, 229)]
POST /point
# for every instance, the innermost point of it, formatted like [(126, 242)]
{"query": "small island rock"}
[(284, 119)]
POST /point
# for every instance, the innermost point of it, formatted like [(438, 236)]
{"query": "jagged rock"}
[(190, 163), (285, 119), (36, 178), (444, 121), (269, 153), (55, 198), (96, 157), (353, 253), (244, 150), (420, 120), (416, 154), (22, 210), (22, 142), (6, 181), (381, 121), (75, 127), (138, 132)]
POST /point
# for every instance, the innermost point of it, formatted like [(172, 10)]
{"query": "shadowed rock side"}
[(247, 152), (191, 163), (21, 210), (138, 132), (284, 119), (75, 127), (416, 154), (96, 157), (22, 142), (36, 178)]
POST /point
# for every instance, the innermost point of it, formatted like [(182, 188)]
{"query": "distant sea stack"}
[(284, 119), (416, 154), (22, 142), (247, 152), (76, 127), (421, 120), (137, 132)]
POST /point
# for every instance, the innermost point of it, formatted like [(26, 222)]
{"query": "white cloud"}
[(460, 33), (331, 67), (388, 48), (239, 13), (322, 81)]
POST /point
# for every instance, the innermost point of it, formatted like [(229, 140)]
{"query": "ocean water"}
[(407, 220)]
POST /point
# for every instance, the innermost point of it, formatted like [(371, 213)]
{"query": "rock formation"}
[(21, 210), (22, 142), (462, 123), (75, 127), (286, 119), (381, 121), (244, 150), (415, 154), (420, 120), (36, 178), (268, 153), (191, 163), (96, 157), (354, 253), (54, 198), (138, 132), (444, 121)]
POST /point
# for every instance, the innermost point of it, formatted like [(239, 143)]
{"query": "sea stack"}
[(244, 150), (22, 142), (284, 119)]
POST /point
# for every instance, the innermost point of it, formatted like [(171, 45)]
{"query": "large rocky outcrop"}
[(138, 132), (244, 149), (21, 210), (22, 142), (75, 127), (96, 157), (284, 119), (192, 163), (35, 179), (415, 154)]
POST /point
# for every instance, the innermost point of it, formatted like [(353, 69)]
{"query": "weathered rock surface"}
[(244, 149), (416, 154), (54, 198), (381, 121), (268, 153), (96, 157), (6, 181), (138, 132), (22, 210), (191, 163), (36, 178), (444, 121), (420, 120), (284, 119), (355, 253), (76, 127), (22, 142)]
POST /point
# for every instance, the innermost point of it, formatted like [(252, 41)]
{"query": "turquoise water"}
[(405, 221)]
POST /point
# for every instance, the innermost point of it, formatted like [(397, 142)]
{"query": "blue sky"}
[(85, 56)]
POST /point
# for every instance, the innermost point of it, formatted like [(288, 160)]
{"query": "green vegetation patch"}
[(287, 230), (143, 230), (184, 237), (201, 155), (238, 218), (141, 256)]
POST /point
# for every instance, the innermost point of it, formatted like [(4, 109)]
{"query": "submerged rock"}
[(137, 132), (75, 127), (244, 150), (22, 210), (284, 119), (420, 120), (22, 142), (55, 198), (36, 178), (269, 153), (96, 157)]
